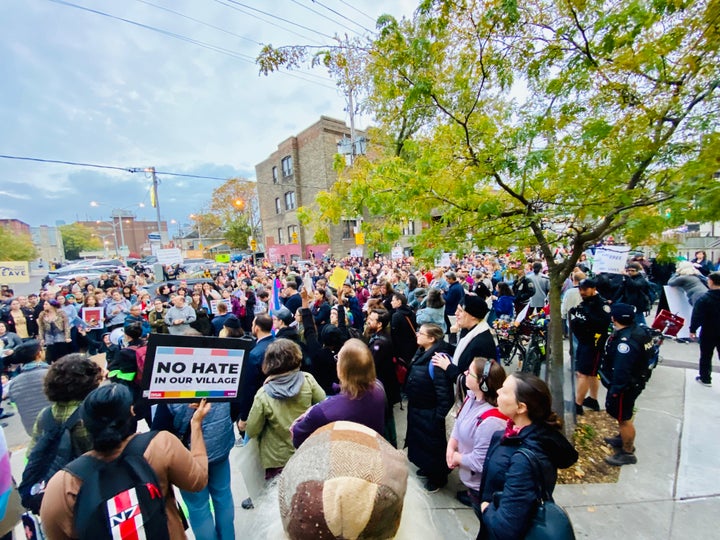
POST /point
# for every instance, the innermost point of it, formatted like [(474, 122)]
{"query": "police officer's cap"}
[(623, 313), (588, 284)]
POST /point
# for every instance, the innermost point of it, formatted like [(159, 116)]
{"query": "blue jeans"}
[(198, 505)]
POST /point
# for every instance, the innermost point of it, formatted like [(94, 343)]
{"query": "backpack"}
[(51, 453), (649, 341), (140, 354), (126, 503)]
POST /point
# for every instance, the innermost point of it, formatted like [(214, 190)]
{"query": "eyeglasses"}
[(419, 333), (468, 372)]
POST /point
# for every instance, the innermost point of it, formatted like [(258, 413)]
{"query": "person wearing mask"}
[(522, 458), (111, 425)]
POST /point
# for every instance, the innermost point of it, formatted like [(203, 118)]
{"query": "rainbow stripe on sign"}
[(190, 394), (189, 351)]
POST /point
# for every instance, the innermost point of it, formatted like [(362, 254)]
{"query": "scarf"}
[(480, 327)]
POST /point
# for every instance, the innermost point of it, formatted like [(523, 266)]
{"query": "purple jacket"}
[(368, 409)]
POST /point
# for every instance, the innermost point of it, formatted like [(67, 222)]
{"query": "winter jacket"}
[(367, 409), (504, 305), (402, 333), (542, 286), (693, 286), (253, 377), (510, 482), (157, 322), (430, 398), (483, 344), (277, 404), (453, 297), (30, 322), (323, 365), (382, 351), (428, 315), (636, 292), (706, 315)]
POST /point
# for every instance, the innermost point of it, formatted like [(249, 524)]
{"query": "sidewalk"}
[(672, 492)]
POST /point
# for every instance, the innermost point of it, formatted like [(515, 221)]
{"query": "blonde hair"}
[(355, 368), (686, 268)]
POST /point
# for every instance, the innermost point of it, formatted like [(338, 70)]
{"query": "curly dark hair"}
[(71, 378)]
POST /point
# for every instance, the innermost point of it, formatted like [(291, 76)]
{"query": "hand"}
[(449, 457), (441, 360), (484, 505), (692, 335), (305, 297), (68, 340), (201, 409), (241, 425)]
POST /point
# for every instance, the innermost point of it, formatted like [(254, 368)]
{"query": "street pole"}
[(122, 232), (163, 237)]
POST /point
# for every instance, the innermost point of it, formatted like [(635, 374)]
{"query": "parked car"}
[(152, 288)]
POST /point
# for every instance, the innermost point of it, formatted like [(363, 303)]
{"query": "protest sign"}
[(189, 368), (610, 259), (338, 277), (93, 317), (214, 305)]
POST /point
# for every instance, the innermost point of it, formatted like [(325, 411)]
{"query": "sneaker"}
[(463, 498), (698, 379), (247, 504), (615, 442), (5, 415), (579, 409), (591, 403), (621, 458)]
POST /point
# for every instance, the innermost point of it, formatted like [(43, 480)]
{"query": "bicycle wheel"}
[(533, 359)]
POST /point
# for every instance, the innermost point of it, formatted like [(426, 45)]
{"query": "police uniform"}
[(589, 325), (623, 357)]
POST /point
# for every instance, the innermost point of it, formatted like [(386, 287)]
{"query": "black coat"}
[(482, 345), (429, 400), (402, 333), (511, 484), (381, 349)]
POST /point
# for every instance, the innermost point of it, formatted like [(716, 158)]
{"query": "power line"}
[(281, 19), (323, 16), (215, 48), (199, 21), (341, 15), (356, 9), (109, 167)]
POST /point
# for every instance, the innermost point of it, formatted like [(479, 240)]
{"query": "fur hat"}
[(345, 481), (623, 313), (475, 306)]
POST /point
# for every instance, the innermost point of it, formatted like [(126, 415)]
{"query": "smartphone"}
[(308, 283)]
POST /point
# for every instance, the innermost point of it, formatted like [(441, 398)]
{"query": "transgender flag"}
[(275, 303)]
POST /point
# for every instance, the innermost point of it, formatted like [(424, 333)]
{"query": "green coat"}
[(270, 419)]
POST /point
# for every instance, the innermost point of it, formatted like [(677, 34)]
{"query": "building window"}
[(275, 175), (287, 166), (349, 226), (281, 240), (290, 200), (408, 228), (277, 205), (293, 234)]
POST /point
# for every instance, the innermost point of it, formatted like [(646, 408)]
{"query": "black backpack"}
[(120, 498), (524, 290), (649, 340), (53, 450)]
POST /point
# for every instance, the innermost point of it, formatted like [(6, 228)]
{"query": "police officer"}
[(589, 323), (620, 374)]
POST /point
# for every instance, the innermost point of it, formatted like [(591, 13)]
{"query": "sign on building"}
[(14, 272)]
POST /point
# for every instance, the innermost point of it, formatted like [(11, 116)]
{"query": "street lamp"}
[(105, 242), (95, 204), (196, 219)]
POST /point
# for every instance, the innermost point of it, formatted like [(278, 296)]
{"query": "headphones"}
[(484, 377)]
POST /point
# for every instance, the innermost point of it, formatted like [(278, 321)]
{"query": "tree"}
[(539, 123), (76, 238), (16, 247)]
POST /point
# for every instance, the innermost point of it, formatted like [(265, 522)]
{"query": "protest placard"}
[(610, 259), (214, 305), (189, 368)]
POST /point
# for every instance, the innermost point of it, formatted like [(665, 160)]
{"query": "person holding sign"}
[(286, 394)]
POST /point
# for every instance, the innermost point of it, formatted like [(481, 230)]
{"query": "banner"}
[(169, 256), (14, 272), (214, 305), (189, 368), (610, 259)]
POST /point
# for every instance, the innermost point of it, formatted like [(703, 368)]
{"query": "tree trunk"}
[(556, 357)]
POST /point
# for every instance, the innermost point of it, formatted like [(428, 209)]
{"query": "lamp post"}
[(196, 219), (117, 212), (105, 242), (114, 234)]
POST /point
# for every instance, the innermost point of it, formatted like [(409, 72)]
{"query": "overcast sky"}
[(85, 87)]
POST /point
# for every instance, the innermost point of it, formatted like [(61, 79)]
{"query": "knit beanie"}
[(345, 481)]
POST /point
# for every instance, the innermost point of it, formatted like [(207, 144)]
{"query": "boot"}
[(579, 409), (591, 403), (615, 442), (621, 458)]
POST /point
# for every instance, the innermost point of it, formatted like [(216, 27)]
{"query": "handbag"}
[(550, 521), (668, 323)]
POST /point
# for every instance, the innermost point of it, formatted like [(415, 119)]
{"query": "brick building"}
[(124, 227), (291, 177)]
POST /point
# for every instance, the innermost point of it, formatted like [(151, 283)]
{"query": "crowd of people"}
[(320, 354)]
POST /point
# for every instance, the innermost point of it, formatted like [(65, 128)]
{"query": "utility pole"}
[(156, 204)]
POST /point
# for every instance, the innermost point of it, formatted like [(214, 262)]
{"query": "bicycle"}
[(526, 342), (535, 351)]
